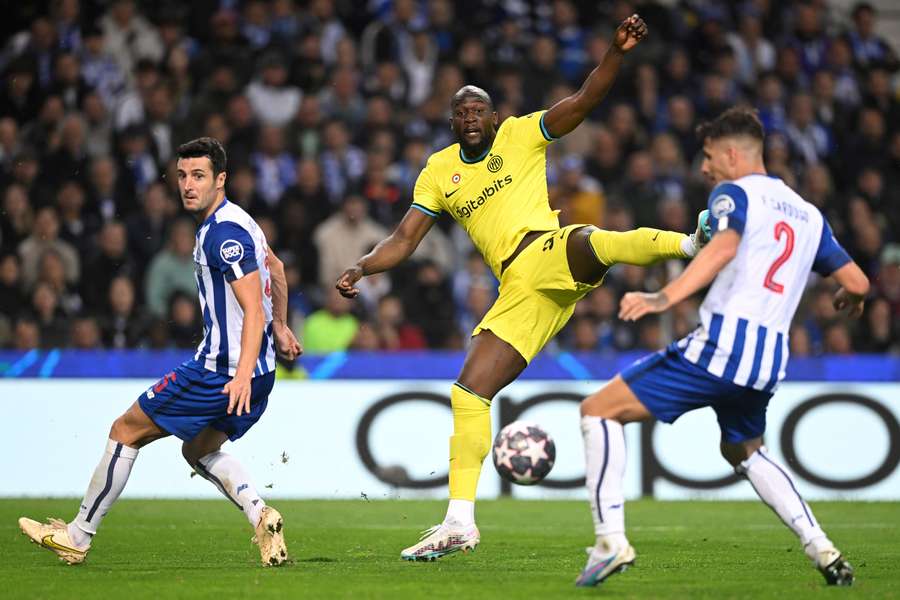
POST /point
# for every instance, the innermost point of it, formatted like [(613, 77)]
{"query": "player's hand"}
[(286, 343), (851, 302), (635, 305), (238, 390), (347, 280), (630, 33)]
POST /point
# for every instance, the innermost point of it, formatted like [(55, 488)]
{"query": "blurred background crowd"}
[(329, 109)]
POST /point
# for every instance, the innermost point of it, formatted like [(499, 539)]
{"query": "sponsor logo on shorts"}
[(231, 251)]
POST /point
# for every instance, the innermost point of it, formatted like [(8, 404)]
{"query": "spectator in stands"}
[(810, 141), (86, 334), (99, 68), (840, 63), (26, 334), (754, 53), (332, 327), (344, 237), (129, 37), (125, 325), (868, 48), (15, 218), (147, 230), (52, 273), (425, 304), (274, 166), (12, 300), (9, 142), (394, 331), (273, 99), (112, 259), (21, 98), (44, 237), (97, 126), (67, 81), (880, 333), (578, 197), (183, 320), (171, 270), (76, 226), (54, 325)]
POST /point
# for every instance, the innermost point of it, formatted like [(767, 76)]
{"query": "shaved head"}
[(471, 91)]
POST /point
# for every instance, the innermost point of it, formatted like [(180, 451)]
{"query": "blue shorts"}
[(190, 398), (669, 386)]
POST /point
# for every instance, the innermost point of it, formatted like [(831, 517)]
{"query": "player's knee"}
[(189, 454), (603, 405), (736, 453), (122, 431)]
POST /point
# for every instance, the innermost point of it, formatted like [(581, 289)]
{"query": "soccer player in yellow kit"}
[(493, 183)]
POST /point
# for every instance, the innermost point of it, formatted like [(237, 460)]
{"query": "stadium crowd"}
[(329, 109)]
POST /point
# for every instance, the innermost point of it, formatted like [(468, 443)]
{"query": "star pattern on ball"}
[(503, 454), (517, 427), (525, 477), (536, 451)]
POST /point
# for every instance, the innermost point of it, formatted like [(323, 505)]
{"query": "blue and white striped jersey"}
[(747, 313), (230, 245)]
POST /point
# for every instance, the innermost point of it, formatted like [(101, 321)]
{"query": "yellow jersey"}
[(496, 198)]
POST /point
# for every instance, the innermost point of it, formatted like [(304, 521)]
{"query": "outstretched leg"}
[(593, 251), (490, 365), (71, 542), (776, 488)]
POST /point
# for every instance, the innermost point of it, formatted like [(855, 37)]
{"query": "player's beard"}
[(477, 149), (204, 200)]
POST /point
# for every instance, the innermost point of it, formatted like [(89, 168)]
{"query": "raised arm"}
[(569, 112), (389, 252)]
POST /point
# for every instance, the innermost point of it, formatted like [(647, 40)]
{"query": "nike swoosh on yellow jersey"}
[(48, 542), (446, 195)]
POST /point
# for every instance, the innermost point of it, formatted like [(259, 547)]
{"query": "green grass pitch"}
[(161, 549)]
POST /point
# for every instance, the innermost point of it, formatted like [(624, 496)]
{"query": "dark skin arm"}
[(389, 252), (569, 112)]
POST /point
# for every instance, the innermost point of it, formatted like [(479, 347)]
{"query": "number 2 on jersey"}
[(780, 228)]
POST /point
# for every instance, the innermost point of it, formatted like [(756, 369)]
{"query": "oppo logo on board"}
[(652, 469)]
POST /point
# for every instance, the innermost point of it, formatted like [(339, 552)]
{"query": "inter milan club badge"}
[(455, 179), (495, 164)]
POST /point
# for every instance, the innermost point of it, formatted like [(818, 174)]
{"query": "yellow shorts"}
[(537, 295)]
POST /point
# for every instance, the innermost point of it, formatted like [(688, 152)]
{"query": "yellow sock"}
[(470, 442), (643, 246)]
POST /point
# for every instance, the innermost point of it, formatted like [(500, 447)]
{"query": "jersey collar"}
[(463, 158), (212, 217)]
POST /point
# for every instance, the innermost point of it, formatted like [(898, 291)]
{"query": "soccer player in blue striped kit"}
[(765, 240), (224, 389)]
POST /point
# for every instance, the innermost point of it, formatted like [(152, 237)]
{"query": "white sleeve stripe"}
[(723, 223), (236, 269)]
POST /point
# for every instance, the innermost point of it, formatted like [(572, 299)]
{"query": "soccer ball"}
[(523, 453)]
